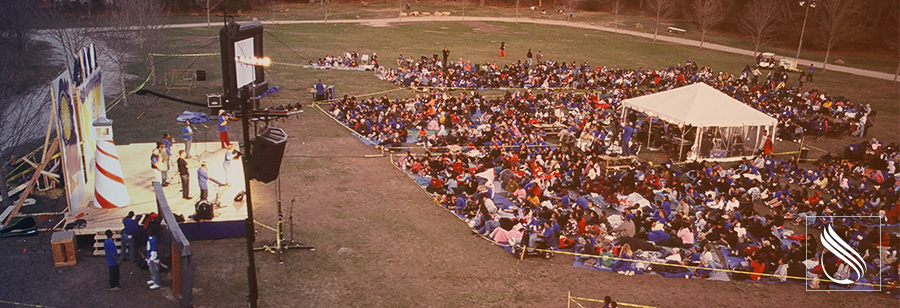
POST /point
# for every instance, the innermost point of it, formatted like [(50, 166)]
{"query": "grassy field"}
[(474, 41), (629, 20)]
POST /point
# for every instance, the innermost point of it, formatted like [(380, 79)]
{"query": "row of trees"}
[(38, 43), (836, 22)]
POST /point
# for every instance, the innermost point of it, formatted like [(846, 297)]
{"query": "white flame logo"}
[(843, 251)]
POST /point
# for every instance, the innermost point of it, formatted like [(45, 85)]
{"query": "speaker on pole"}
[(266, 155)]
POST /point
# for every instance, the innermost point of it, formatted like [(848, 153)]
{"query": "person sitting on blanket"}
[(624, 265), (606, 260), (585, 249), (707, 257), (627, 228), (546, 232), (503, 236)]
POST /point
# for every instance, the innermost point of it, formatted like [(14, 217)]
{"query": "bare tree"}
[(327, 8), (17, 23), (209, 6), (707, 14), (760, 22), (895, 44), (134, 33), (617, 7), (839, 21), (69, 41), (660, 9)]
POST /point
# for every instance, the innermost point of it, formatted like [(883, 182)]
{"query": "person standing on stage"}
[(112, 260), (229, 156), (163, 164), (156, 164), (202, 180), (187, 133), (167, 142), (223, 128), (184, 175), (153, 260), (129, 230)]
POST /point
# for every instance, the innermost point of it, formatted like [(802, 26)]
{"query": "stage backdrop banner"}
[(91, 106), (73, 171)]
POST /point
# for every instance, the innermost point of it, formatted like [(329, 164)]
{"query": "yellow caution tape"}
[(186, 54), (698, 267), (23, 304), (573, 298)]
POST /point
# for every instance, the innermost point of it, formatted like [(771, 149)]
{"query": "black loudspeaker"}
[(201, 75), (214, 100), (203, 210), (266, 155)]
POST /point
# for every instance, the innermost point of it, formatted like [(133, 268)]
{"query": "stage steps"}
[(100, 237)]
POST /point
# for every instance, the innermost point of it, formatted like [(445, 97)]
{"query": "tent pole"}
[(649, 129), (680, 147), (757, 147)]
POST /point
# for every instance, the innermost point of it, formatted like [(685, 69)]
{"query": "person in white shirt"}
[(732, 204)]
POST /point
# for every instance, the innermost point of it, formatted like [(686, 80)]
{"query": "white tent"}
[(725, 126)]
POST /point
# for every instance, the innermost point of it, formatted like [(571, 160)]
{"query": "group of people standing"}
[(132, 234), (161, 162)]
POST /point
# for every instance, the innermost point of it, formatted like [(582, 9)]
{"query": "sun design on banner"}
[(834, 244), (66, 116)]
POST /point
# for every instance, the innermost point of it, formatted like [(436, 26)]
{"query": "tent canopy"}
[(699, 105)]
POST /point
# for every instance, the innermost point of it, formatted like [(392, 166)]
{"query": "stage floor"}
[(135, 160)]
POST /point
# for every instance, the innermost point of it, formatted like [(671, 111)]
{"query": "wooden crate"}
[(63, 244)]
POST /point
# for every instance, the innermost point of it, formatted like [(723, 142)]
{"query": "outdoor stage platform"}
[(135, 160)]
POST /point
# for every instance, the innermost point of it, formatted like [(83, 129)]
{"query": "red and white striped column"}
[(109, 184)]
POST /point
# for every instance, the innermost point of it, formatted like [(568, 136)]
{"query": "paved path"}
[(380, 22)]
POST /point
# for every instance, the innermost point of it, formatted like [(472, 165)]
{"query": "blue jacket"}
[(627, 131), (187, 133), (152, 248), (131, 226), (168, 146)]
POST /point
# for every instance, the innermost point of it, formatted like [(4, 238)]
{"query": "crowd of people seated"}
[(348, 60), (507, 181)]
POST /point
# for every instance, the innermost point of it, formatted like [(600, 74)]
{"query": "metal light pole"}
[(810, 4)]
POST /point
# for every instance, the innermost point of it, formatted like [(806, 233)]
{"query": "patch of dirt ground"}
[(481, 26), (401, 250)]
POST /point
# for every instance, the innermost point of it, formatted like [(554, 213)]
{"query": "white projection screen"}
[(246, 73)]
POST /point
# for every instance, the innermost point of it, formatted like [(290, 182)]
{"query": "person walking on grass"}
[(502, 50), (112, 260), (812, 69)]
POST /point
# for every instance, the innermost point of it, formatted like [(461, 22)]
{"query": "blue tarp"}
[(194, 117)]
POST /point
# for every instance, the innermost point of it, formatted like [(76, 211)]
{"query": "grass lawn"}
[(473, 41)]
